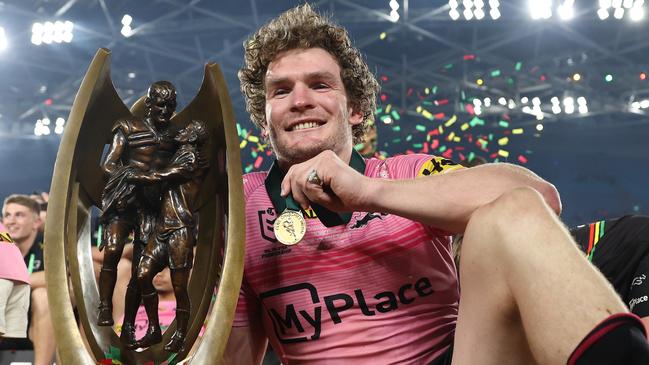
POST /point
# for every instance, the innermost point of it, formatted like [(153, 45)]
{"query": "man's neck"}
[(345, 156), (26, 244)]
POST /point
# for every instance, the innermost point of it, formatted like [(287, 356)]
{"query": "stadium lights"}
[(634, 9), (3, 40), (394, 13), (60, 122), (127, 31), (474, 9), (48, 32), (42, 126), (540, 9), (565, 10)]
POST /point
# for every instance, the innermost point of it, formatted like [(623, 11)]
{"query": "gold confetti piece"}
[(451, 121)]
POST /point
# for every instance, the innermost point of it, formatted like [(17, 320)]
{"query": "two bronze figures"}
[(154, 173)]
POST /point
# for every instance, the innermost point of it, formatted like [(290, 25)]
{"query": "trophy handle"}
[(76, 186)]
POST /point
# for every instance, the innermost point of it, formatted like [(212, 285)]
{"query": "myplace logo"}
[(296, 311)]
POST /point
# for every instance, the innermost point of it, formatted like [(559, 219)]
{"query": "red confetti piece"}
[(48, 101), (468, 57), (258, 161), (439, 115), (434, 144), (384, 97), (494, 155), (441, 102), (434, 132), (522, 159), (384, 78), (469, 109), (410, 90), (448, 153)]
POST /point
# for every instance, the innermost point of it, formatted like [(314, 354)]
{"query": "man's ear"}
[(355, 117)]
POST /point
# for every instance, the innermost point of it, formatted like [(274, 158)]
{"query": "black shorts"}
[(619, 248)]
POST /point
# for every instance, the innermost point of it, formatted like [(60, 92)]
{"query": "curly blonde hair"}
[(301, 27)]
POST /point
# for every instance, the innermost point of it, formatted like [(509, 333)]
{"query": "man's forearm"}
[(448, 200), (37, 279)]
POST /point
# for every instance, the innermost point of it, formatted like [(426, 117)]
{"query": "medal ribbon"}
[(327, 217)]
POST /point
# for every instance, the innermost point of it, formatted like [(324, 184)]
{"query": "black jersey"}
[(619, 248)]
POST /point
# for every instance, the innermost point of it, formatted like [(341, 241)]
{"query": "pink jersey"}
[(381, 289), (12, 265)]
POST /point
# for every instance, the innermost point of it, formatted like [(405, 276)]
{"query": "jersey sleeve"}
[(420, 165)]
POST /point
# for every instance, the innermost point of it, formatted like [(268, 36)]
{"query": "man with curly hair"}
[(349, 261)]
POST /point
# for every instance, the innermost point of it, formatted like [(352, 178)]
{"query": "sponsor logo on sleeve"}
[(5, 237), (635, 301), (437, 165), (638, 280)]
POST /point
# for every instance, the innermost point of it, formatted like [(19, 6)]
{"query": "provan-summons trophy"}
[(167, 180)]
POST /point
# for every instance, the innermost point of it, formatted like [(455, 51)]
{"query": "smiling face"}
[(307, 110), (20, 221)]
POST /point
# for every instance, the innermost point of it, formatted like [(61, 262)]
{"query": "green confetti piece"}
[(254, 154), (396, 128), (238, 129), (395, 115), (448, 66), (518, 66), (396, 140), (409, 138), (471, 156), (476, 121), (491, 137), (495, 73), (427, 102), (510, 81), (420, 128), (359, 146), (503, 124), (417, 145), (442, 148), (434, 89), (463, 95), (379, 110), (248, 168), (496, 160), (384, 117)]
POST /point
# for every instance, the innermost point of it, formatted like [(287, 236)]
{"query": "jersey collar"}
[(327, 217)]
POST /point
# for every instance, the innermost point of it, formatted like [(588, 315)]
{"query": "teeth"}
[(305, 125)]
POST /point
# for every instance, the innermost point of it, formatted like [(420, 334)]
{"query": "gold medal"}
[(290, 227)]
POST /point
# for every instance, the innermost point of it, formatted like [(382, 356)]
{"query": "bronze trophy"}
[(161, 173)]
